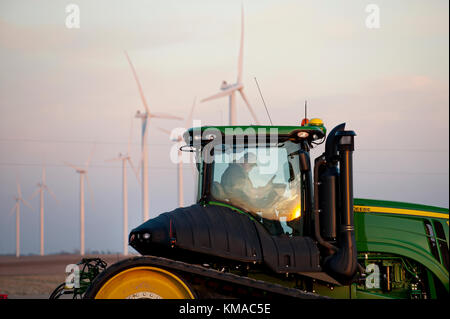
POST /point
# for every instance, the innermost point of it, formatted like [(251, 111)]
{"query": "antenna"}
[(306, 108), (305, 120), (263, 102)]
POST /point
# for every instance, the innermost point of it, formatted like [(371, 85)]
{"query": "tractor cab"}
[(257, 203), (258, 170)]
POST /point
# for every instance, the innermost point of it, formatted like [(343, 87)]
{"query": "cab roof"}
[(314, 132)]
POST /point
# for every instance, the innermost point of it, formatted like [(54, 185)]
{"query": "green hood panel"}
[(398, 228)]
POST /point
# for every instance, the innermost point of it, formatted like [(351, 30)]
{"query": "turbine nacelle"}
[(224, 85), (141, 115), (123, 156)]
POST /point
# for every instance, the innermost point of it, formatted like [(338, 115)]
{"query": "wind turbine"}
[(83, 174), (178, 137), (230, 89), (18, 198), (42, 187), (125, 158), (145, 117)]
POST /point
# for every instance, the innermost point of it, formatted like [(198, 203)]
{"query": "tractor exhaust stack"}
[(344, 263)]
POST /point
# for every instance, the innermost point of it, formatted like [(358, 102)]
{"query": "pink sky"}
[(390, 85)]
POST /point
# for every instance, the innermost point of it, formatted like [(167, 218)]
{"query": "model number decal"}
[(361, 209)]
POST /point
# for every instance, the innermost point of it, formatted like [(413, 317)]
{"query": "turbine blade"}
[(220, 94), (35, 193), (141, 92), (72, 166), (13, 209), (147, 120), (248, 105), (241, 49), (43, 175), (129, 137), (19, 191), (164, 130), (91, 197), (26, 203), (90, 156), (113, 159), (51, 193), (134, 170), (140, 165), (165, 116), (191, 114), (145, 123)]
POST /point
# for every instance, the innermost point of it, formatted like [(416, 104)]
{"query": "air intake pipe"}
[(343, 264), (327, 187)]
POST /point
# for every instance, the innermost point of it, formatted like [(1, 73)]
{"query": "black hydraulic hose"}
[(318, 236)]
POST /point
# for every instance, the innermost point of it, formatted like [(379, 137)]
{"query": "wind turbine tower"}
[(83, 175), (145, 117), (19, 199), (124, 158), (178, 137), (42, 187)]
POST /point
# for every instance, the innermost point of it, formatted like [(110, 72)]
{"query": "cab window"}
[(263, 181)]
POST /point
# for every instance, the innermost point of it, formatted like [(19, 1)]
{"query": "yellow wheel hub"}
[(144, 282)]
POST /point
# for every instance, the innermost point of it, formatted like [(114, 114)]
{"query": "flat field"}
[(35, 277)]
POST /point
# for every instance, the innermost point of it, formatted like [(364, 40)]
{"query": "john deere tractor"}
[(270, 222)]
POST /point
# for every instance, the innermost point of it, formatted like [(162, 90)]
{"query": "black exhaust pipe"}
[(325, 195), (343, 264)]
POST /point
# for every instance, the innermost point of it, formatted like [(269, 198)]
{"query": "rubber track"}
[(273, 289)]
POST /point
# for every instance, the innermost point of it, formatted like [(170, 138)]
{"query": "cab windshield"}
[(263, 181)]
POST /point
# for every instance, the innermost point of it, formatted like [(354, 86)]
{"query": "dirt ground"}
[(35, 277)]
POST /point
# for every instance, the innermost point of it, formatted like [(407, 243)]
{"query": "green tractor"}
[(270, 223)]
